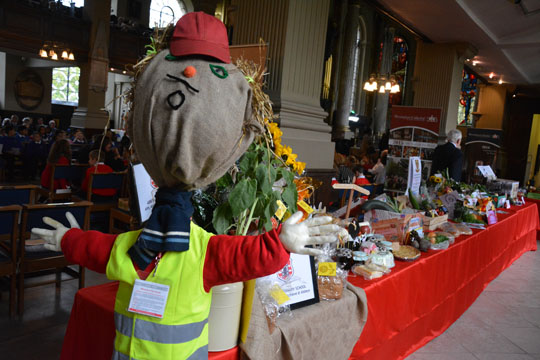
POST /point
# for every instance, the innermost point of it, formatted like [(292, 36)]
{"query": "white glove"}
[(314, 231), (53, 238)]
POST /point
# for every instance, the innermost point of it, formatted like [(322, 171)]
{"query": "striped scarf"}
[(167, 229)]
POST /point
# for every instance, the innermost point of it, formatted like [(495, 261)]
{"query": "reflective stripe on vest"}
[(164, 334), (117, 355), (200, 354)]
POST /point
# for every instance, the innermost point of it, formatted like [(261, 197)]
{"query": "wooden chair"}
[(45, 261), (9, 221), (74, 173), (113, 180), (18, 195)]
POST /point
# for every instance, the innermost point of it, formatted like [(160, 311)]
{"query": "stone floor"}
[(503, 323)]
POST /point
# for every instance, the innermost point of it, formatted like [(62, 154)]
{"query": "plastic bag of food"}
[(450, 228), (464, 229), (272, 299), (370, 271), (330, 277)]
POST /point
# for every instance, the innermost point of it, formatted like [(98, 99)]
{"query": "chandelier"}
[(382, 84), (54, 50)]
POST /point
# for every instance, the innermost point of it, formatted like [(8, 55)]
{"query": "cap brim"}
[(183, 47)]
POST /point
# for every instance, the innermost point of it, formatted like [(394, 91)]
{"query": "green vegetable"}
[(413, 201), (376, 205), (440, 238)]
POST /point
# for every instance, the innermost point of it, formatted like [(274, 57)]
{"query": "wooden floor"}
[(39, 333)]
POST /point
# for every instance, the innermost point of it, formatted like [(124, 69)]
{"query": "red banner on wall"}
[(415, 116)]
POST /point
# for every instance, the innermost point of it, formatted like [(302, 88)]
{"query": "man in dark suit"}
[(449, 156)]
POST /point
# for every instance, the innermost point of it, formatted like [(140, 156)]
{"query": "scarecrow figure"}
[(191, 120)]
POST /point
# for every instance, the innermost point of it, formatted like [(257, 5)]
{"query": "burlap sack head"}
[(184, 138)]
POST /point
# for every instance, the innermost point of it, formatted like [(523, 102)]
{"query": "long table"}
[(418, 301), (407, 308)]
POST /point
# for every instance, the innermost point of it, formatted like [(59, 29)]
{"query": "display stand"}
[(352, 188)]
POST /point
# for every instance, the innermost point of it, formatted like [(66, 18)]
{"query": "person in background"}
[(11, 148), (6, 122), (27, 122), (39, 122), (359, 176), (60, 154), (42, 131), (95, 160), (449, 156), (35, 156), (78, 137), (22, 134), (14, 120), (379, 174), (52, 130), (112, 156)]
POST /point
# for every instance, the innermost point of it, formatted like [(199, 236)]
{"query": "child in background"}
[(95, 159), (35, 156), (359, 175), (60, 154)]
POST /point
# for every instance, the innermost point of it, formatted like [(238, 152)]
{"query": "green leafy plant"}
[(250, 192)]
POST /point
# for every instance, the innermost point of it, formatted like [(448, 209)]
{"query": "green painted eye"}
[(219, 71)]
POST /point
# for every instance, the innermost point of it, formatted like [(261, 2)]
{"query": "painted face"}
[(192, 119)]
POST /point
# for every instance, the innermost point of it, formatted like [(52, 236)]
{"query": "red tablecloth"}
[(420, 300), (90, 332), (406, 308)]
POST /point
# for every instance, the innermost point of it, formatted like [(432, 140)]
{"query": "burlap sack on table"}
[(327, 330)]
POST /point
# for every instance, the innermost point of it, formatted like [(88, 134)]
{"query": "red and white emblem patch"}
[(287, 272)]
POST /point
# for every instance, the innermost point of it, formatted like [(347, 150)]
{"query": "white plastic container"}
[(224, 318)]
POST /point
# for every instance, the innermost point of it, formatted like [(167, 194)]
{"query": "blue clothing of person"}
[(10, 143), (36, 150)]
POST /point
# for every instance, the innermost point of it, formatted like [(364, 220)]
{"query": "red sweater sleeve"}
[(90, 249), (240, 258)]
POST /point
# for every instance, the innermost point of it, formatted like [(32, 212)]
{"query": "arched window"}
[(164, 12), (65, 85), (467, 100), (400, 62)]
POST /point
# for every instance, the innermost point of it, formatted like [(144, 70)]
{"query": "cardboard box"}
[(393, 226)]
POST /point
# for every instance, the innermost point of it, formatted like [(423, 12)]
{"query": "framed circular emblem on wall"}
[(28, 89)]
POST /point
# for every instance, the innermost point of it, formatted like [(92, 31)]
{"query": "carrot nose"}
[(190, 71)]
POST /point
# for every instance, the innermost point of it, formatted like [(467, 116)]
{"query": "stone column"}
[(296, 32), (381, 104), (350, 47), (93, 79), (437, 79)]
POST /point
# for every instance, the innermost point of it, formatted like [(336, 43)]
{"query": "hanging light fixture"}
[(382, 84), (43, 53), (54, 56), (65, 55), (71, 56)]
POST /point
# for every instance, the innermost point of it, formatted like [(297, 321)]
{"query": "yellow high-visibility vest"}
[(182, 333)]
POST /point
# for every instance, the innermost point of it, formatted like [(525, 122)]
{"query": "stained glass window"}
[(400, 62), (467, 100), (65, 86), (164, 12)]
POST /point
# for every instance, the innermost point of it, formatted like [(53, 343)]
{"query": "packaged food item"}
[(440, 246), (273, 304), (370, 271), (331, 280), (385, 258), (451, 238), (450, 228), (464, 229)]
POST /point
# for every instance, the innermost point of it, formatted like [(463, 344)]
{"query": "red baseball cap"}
[(198, 33)]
